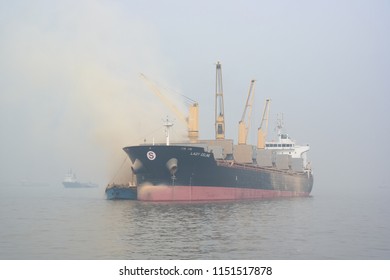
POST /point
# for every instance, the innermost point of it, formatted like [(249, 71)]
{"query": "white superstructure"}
[(286, 146), (70, 181), (70, 177)]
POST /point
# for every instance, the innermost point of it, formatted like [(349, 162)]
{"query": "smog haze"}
[(71, 95)]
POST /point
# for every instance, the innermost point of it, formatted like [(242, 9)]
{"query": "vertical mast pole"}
[(219, 106)]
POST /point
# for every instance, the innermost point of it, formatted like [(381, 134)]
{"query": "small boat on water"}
[(121, 191), (70, 181)]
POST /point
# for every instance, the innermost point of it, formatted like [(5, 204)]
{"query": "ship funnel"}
[(137, 166), (172, 165)]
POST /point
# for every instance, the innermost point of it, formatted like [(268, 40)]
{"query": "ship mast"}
[(219, 113), (279, 126), (167, 125)]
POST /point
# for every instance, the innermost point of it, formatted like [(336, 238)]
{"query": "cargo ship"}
[(218, 169)]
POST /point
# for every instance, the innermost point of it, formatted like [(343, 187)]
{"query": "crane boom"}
[(191, 121), (219, 106), (263, 129), (244, 124)]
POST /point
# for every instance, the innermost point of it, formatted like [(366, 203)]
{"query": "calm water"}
[(52, 222)]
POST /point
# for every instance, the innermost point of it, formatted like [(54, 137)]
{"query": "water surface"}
[(51, 222)]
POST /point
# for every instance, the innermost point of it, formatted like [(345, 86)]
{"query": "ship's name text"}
[(197, 154)]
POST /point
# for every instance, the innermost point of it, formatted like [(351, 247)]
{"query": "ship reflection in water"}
[(52, 223)]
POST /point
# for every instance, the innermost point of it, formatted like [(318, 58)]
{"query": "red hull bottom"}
[(204, 193)]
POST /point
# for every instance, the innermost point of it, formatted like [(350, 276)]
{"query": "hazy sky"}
[(71, 97)]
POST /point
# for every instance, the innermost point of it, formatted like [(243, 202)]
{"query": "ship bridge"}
[(284, 142), (286, 146)]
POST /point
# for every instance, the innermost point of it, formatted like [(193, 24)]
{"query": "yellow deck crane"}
[(245, 122), (192, 121), (219, 112), (263, 129)]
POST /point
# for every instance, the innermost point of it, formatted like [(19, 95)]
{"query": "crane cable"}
[(117, 172)]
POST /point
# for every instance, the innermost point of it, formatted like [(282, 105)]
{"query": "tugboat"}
[(70, 181), (121, 191)]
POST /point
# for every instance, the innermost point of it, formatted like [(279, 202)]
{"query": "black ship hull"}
[(186, 173)]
